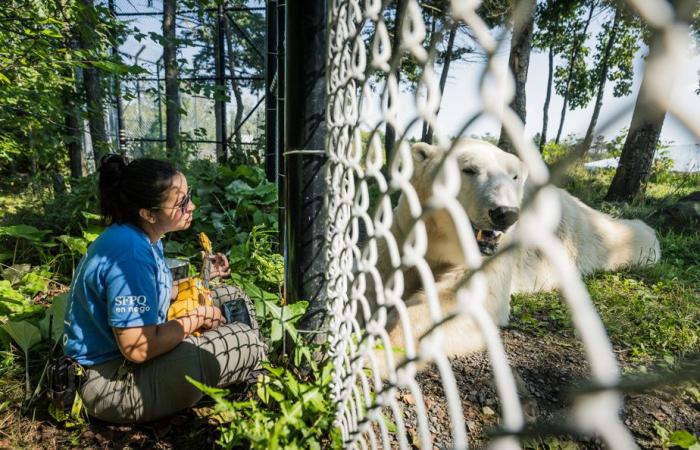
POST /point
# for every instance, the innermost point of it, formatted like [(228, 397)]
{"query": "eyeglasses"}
[(184, 203)]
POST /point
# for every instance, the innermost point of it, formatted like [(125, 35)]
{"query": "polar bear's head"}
[(492, 183)]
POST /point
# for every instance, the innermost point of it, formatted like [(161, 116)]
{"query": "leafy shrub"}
[(288, 413)]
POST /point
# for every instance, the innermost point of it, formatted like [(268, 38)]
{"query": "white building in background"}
[(686, 158)]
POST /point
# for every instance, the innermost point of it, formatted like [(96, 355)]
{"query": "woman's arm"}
[(139, 344)]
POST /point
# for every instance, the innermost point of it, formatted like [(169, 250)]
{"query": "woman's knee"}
[(230, 352)]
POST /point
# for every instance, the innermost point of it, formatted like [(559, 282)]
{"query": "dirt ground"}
[(548, 366)]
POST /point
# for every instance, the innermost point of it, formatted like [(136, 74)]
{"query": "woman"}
[(116, 323)]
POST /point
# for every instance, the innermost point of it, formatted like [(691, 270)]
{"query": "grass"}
[(650, 313)]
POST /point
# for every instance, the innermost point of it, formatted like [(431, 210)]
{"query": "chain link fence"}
[(140, 115), (368, 267)]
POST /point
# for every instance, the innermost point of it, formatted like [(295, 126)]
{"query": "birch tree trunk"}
[(237, 94), (518, 63), (390, 133), (574, 55), (547, 100), (605, 61), (428, 135), (92, 83)]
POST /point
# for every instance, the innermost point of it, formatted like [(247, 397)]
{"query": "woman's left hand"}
[(219, 265)]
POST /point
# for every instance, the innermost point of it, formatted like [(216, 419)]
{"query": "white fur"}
[(593, 240)]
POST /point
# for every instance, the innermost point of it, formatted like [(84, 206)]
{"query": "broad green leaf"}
[(108, 66), (74, 244), (90, 237), (23, 333), (683, 439), (7, 292), (91, 216), (252, 174), (54, 317), (15, 273), (52, 33), (13, 303), (33, 283), (28, 232)]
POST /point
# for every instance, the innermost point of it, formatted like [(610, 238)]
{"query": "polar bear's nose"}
[(504, 216)]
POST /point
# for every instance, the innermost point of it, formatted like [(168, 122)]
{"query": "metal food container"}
[(178, 267)]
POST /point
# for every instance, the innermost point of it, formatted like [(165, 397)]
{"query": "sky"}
[(461, 100)]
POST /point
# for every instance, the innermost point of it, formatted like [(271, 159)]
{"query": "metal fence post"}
[(271, 90), (219, 96), (305, 131)]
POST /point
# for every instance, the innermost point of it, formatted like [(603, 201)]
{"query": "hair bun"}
[(114, 160)]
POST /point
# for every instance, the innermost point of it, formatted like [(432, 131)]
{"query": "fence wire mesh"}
[(366, 277), (142, 96)]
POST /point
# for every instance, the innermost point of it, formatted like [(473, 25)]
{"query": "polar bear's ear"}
[(422, 151)]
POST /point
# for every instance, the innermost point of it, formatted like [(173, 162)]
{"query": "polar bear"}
[(493, 184)]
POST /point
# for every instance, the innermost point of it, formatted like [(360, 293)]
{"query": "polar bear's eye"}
[(515, 177), (469, 171)]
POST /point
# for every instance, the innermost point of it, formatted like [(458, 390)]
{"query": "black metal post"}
[(219, 100), (117, 89), (305, 157), (160, 102), (271, 90), (138, 99), (280, 123)]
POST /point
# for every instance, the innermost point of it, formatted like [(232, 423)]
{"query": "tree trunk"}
[(390, 133), (172, 94), (428, 135), (237, 94), (431, 37), (548, 98), (92, 83), (640, 146), (71, 115), (574, 55), (518, 63), (72, 132), (605, 61)]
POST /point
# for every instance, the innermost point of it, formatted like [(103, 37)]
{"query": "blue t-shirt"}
[(123, 281)]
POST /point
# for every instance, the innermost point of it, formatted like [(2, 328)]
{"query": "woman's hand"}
[(219, 265), (210, 315), (139, 344)]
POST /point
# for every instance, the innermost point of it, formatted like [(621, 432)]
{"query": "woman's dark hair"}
[(126, 187)]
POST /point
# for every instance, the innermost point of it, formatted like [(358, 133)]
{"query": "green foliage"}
[(256, 259), (23, 333), (17, 287), (231, 201), (38, 78), (51, 326), (681, 438), (550, 443), (288, 413), (651, 313), (553, 152)]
